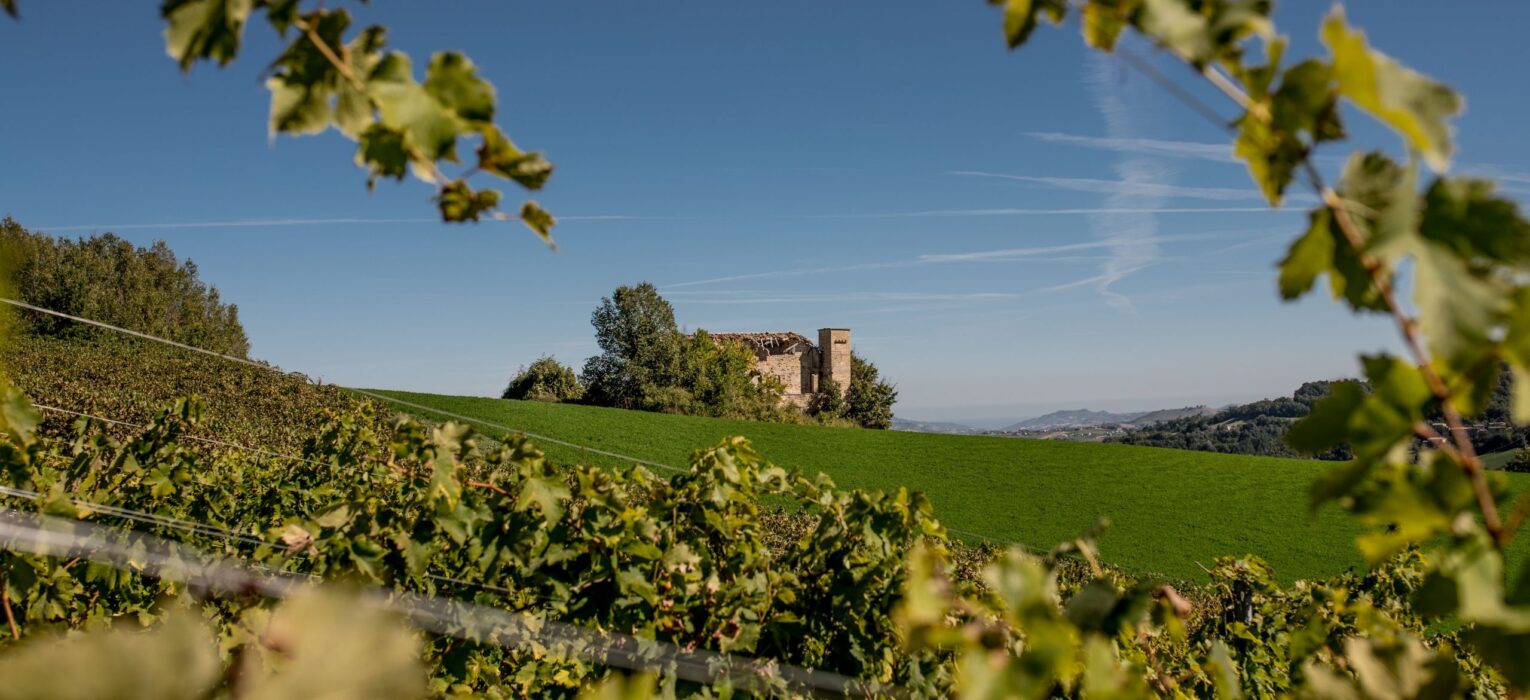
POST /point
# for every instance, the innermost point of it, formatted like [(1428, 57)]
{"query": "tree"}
[(323, 79), (545, 380), (829, 402), (108, 279), (635, 329), (870, 400)]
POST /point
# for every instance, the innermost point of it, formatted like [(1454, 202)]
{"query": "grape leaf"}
[(1415, 105), (406, 106), (1104, 20), (452, 79), (539, 220), (1020, 17), (198, 29)]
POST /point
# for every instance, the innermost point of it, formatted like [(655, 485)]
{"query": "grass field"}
[(1170, 509), (1496, 460)]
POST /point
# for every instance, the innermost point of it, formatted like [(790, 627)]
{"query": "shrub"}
[(545, 380)]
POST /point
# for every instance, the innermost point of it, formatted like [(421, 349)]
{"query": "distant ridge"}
[(1085, 418), (915, 426)]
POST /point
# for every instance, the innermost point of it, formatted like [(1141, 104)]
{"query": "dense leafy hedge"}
[(107, 279), (864, 584)]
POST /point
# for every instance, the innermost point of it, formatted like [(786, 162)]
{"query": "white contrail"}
[(1126, 187), (1134, 235), (254, 223), (1220, 152)]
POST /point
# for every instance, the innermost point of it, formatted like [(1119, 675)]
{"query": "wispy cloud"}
[(1132, 237), (936, 213), (1049, 254), (1129, 187), (1008, 254), (1220, 152), (267, 223)]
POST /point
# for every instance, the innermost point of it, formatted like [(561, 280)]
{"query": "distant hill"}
[(1085, 418), (915, 426)]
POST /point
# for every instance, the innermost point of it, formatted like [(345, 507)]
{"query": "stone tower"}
[(834, 357)]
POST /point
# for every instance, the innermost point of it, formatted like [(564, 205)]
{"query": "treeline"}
[(1259, 428), (647, 363), (108, 279)]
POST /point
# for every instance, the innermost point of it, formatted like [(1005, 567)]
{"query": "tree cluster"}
[(647, 363), (108, 279)]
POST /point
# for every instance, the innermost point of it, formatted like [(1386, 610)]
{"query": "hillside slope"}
[(129, 380), (1170, 509)]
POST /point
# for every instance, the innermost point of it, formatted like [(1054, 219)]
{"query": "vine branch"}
[(344, 68), (1462, 452), (5, 597)]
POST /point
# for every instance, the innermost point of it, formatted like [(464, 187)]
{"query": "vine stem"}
[(1463, 453), (5, 596), (344, 68)]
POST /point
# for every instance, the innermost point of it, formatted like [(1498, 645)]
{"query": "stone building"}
[(796, 362)]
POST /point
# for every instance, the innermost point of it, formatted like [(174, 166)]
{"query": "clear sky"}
[(1005, 233)]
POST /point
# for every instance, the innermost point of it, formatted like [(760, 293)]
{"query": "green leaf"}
[(1517, 352), (430, 129), (1465, 216), (178, 659), (499, 156), (382, 152), (538, 220), (333, 647), (1182, 30), (298, 109), (1381, 199), (1275, 137), (17, 416), (453, 80), (1458, 309), (1020, 17), (1412, 104), (198, 29), (547, 493), (458, 202), (1310, 256), (1104, 20)]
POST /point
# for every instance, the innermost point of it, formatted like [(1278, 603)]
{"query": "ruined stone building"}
[(798, 364)]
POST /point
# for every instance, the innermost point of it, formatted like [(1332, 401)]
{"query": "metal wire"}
[(152, 556)]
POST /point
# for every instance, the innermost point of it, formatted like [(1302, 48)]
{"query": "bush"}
[(108, 279), (870, 400), (545, 380)]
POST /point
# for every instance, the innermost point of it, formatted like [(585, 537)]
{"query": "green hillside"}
[(1170, 509)]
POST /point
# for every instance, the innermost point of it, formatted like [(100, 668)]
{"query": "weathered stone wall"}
[(793, 360), (796, 371)]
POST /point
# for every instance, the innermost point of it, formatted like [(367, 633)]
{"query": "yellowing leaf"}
[(1414, 105), (1020, 17), (1104, 20)]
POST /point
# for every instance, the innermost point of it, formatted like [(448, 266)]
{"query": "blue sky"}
[(1005, 233)]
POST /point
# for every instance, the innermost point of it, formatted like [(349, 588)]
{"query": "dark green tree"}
[(639, 342), (829, 402), (108, 279), (870, 400), (545, 380)]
